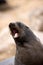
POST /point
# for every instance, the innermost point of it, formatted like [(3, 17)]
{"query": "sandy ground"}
[(21, 12), (7, 44)]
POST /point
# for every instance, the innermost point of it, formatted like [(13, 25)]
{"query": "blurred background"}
[(29, 12)]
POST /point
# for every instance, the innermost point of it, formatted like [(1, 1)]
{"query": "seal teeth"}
[(16, 35)]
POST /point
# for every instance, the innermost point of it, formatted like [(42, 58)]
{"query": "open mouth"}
[(14, 32)]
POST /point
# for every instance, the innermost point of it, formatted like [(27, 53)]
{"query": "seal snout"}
[(11, 25), (13, 29)]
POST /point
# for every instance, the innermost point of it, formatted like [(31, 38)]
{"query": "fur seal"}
[(29, 50)]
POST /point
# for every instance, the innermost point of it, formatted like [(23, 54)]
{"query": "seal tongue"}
[(14, 31)]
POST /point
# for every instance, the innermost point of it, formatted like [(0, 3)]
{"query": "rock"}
[(36, 19)]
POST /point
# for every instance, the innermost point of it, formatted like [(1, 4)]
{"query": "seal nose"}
[(11, 25)]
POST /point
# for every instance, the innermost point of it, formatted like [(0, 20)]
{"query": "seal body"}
[(29, 50)]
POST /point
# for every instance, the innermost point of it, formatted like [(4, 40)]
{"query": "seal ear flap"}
[(27, 27)]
